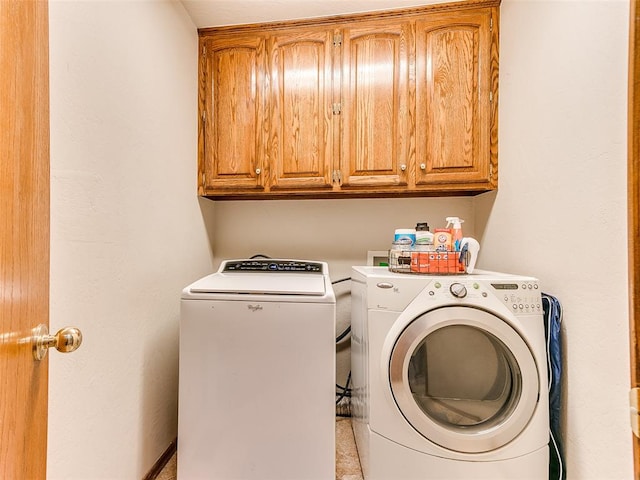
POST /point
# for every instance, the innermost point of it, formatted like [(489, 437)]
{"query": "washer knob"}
[(458, 290)]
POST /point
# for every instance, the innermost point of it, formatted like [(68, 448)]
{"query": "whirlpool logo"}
[(254, 308)]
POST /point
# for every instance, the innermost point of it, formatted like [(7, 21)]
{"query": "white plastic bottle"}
[(423, 235), (407, 235)]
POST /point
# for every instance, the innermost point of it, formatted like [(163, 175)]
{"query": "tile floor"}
[(347, 462)]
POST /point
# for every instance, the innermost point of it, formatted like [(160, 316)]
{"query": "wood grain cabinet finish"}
[(396, 103), (232, 140), (300, 145), (453, 99), (375, 133)]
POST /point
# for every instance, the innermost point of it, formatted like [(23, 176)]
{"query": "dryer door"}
[(464, 379)]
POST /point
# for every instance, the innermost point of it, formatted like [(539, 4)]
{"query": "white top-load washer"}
[(257, 373)]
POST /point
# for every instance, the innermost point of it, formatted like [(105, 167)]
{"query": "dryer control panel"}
[(519, 297)]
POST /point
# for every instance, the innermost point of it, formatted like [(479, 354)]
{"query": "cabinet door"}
[(232, 138), (375, 108), (453, 99), (301, 137)]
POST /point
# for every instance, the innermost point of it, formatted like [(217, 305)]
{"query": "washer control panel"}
[(267, 265)]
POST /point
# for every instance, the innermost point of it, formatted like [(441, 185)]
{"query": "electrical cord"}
[(346, 391), (343, 334), (343, 392), (348, 329)]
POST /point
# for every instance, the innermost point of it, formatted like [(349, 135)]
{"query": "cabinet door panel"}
[(301, 142), (375, 115), (453, 85), (234, 114)]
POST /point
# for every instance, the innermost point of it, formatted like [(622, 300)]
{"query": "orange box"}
[(444, 262), (430, 262), (420, 262), (442, 238)]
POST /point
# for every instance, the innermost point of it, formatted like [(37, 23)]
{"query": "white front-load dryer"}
[(449, 376)]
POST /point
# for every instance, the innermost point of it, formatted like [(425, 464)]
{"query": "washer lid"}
[(261, 283), (286, 279)]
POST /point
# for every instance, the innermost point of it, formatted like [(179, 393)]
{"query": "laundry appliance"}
[(257, 373), (449, 376)]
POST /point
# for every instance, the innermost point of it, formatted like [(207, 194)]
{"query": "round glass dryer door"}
[(464, 379)]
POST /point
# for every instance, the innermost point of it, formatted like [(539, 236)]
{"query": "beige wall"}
[(127, 230)]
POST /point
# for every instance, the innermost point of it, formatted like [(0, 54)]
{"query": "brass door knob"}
[(68, 339)]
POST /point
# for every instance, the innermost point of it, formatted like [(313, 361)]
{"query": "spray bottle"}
[(456, 231)]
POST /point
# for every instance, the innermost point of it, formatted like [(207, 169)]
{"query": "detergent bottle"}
[(455, 224), (423, 235)]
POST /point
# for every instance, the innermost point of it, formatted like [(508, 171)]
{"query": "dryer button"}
[(385, 285)]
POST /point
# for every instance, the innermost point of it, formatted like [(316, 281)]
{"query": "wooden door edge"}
[(633, 183)]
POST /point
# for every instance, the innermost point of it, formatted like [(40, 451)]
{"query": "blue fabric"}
[(553, 327)]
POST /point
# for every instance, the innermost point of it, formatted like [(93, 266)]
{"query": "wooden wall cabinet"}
[(454, 100), (300, 146), (397, 103), (375, 128), (233, 114)]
